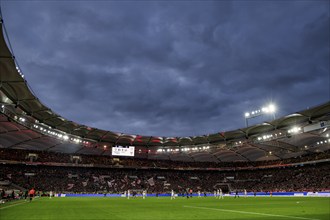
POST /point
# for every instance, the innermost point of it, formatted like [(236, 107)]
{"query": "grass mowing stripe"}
[(90, 208), (251, 213)]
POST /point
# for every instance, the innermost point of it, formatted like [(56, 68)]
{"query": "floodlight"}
[(271, 108), (295, 129)]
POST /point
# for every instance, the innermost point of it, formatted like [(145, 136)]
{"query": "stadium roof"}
[(266, 141)]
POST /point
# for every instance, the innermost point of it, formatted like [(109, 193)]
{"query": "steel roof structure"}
[(23, 115)]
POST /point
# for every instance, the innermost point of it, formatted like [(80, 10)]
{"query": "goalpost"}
[(225, 187)]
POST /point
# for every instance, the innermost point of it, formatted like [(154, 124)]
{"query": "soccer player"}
[(128, 194), (26, 194), (236, 194), (2, 195), (199, 193), (50, 194), (172, 194), (144, 194), (245, 193), (187, 191), (31, 194), (220, 194), (215, 193)]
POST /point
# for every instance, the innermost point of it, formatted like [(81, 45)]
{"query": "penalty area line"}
[(250, 213)]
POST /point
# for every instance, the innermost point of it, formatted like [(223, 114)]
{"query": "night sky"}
[(172, 68)]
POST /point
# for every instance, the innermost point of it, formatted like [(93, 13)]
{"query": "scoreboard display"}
[(123, 151)]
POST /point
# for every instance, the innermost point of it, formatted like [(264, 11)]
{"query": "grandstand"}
[(40, 148), (27, 124)]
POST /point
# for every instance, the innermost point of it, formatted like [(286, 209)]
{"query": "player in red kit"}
[(31, 194)]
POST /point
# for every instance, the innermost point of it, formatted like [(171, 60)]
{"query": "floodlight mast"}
[(270, 109)]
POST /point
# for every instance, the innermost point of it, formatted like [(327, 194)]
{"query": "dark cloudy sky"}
[(171, 68)]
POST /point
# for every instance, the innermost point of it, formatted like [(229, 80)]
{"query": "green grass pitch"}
[(304, 208)]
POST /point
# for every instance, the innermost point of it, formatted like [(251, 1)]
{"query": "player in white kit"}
[(220, 194), (172, 194), (144, 194)]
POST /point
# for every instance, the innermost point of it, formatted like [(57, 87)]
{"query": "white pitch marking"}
[(251, 213), (18, 203)]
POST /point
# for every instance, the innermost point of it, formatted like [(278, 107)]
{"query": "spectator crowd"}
[(59, 172), (47, 156)]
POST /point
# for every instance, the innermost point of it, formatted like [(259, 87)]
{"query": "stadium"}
[(277, 169)]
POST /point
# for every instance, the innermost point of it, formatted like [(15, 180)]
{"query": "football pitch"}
[(304, 208)]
